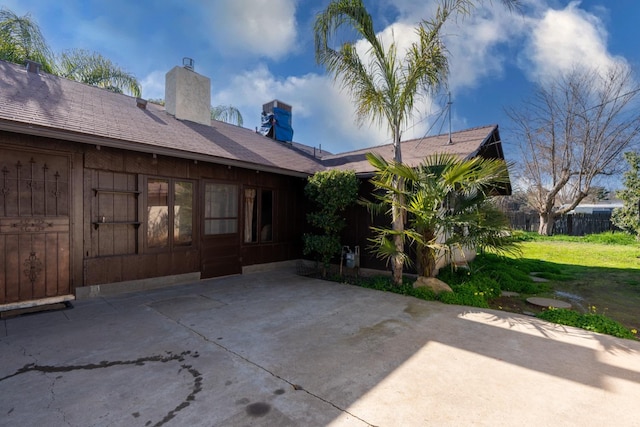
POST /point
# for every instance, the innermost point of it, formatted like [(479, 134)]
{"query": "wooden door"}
[(220, 233), (34, 225)]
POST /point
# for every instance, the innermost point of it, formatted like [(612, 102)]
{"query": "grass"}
[(598, 274), (601, 271)]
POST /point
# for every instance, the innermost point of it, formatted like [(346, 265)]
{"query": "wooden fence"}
[(577, 224)]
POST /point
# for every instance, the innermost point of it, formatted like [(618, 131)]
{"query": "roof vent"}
[(141, 103), (32, 66), (187, 63)]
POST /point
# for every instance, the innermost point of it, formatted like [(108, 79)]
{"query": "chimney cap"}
[(188, 63)]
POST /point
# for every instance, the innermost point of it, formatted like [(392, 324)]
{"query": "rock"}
[(437, 286), (509, 294)]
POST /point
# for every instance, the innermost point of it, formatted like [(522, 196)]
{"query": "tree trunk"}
[(546, 224), (427, 256), (397, 223), (428, 262), (398, 240)]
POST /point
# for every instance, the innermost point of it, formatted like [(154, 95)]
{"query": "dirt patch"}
[(515, 304)]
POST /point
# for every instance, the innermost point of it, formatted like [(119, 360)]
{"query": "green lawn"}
[(593, 276)]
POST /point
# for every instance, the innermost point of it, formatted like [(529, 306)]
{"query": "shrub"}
[(331, 192), (465, 294)]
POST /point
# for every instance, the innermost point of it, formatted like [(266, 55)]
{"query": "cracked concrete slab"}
[(275, 349)]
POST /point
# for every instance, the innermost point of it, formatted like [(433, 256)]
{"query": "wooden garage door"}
[(34, 225)]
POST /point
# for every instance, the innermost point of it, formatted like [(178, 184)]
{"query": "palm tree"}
[(227, 114), (94, 69), (386, 87), (448, 204), (21, 40)]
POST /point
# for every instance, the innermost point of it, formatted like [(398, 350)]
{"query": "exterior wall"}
[(108, 208), (118, 253)]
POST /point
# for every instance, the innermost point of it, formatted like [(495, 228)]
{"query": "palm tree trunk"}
[(398, 213), (398, 262), (427, 256)]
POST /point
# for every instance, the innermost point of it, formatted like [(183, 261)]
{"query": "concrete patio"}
[(276, 349)]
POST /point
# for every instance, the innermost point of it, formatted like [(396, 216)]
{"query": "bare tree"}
[(572, 133)]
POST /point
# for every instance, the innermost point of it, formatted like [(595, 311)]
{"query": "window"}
[(169, 213), (258, 215), (220, 208)]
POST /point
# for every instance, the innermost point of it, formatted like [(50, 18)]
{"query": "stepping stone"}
[(509, 294), (535, 278), (548, 302)]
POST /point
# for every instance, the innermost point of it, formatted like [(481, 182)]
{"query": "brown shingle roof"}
[(44, 104), (465, 144)]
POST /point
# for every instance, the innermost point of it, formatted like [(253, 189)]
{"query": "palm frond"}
[(227, 114), (94, 69), (21, 39)]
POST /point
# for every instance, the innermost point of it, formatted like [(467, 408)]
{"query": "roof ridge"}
[(382, 146)]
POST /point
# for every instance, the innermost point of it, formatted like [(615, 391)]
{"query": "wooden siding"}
[(102, 215)]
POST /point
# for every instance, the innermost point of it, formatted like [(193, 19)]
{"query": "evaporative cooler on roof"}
[(276, 121)]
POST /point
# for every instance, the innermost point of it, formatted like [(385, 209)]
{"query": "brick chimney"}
[(188, 94)]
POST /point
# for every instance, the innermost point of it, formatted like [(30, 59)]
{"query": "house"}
[(103, 192)]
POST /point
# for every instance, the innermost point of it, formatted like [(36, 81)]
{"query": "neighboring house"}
[(590, 208), (101, 191)]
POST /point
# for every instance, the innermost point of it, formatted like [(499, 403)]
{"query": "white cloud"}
[(563, 39), (153, 85), (266, 28), (322, 114), (476, 44)]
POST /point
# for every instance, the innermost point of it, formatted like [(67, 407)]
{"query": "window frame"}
[(204, 208), (172, 242), (258, 212)]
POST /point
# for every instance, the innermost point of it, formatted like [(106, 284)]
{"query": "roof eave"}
[(28, 129)]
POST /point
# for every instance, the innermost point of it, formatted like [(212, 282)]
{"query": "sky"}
[(255, 51)]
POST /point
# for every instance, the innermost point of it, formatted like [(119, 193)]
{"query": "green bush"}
[(465, 294), (499, 273), (591, 321)]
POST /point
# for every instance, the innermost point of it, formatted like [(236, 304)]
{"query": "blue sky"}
[(258, 50)]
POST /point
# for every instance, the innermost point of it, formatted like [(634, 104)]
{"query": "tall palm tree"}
[(94, 69), (448, 204), (227, 114), (21, 40), (386, 86)]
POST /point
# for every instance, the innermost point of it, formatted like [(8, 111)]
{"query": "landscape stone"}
[(436, 285)]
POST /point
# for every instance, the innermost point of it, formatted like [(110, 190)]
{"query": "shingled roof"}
[(46, 105), (464, 144)]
